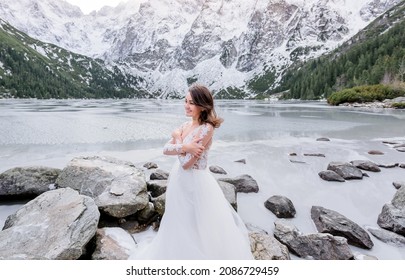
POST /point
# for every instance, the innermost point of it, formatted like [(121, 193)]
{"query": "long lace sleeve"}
[(187, 161), (172, 148)]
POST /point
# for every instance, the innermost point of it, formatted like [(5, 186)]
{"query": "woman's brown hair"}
[(202, 97)]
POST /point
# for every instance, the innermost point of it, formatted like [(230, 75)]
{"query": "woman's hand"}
[(195, 148)]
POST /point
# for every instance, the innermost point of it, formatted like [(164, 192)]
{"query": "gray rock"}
[(402, 149), (113, 244), (150, 165), (366, 165), (160, 204), (244, 183), (314, 155), (387, 236), (390, 142), (323, 139), (159, 174), (399, 146), (392, 218), (27, 181), (388, 165), (316, 246), (297, 161), (329, 221), (346, 170), (399, 199), (230, 193), (266, 247), (55, 225), (398, 185), (241, 161), (280, 206), (217, 169), (118, 187), (329, 175), (156, 187), (375, 152), (147, 214)]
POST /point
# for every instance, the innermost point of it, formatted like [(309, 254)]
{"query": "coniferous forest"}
[(33, 69), (375, 55)]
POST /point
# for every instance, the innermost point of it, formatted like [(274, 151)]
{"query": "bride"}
[(198, 223)]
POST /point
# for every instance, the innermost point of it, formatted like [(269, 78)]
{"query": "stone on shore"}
[(346, 170), (217, 169), (150, 165), (398, 184), (244, 183), (280, 206), (27, 181), (329, 175), (159, 174), (56, 225), (156, 187), (230, 193), (366, 165), (387, 236), (117, 187), (265, 247), (113, 243), (329, 221), (392, 216), (315, 246)]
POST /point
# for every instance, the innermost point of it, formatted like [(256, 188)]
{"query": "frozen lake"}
[(52, 132)]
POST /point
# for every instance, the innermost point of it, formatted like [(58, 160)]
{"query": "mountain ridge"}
[(228, 45)]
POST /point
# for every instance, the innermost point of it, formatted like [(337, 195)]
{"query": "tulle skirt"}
[(198, 223)]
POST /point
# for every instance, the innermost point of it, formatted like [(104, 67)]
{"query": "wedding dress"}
[(198, 222)]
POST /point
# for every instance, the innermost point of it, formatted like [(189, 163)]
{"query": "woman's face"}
[(192, 110)]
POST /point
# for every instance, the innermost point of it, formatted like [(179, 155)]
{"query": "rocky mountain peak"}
[(222, 43)]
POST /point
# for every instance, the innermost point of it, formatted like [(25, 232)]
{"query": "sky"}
[(89, 6)]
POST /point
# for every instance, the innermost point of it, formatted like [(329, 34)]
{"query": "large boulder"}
[(392, 216), (387, 236), (280, 206), (244, 183), (329, 221), (346, 170), (230, 193), (366, 165), (27, 181), (217, 169), (315, 246), (329, 175), (265, 247), (118, 187), (56, 225)]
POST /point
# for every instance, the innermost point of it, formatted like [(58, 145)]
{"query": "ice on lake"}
[(52, 132)]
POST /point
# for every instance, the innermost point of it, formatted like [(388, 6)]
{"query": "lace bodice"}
[(203, 132)]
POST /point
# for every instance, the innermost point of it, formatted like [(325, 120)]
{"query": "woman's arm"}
[(203, 139), (174, 146)]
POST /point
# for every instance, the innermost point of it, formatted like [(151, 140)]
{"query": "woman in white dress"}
[(198, 223)]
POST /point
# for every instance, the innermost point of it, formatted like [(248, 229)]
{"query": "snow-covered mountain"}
[(222, 43)]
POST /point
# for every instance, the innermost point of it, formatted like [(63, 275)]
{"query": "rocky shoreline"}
[(91, 208), (388, 103)]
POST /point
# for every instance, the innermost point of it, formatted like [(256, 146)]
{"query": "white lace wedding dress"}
[(198, 223)]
